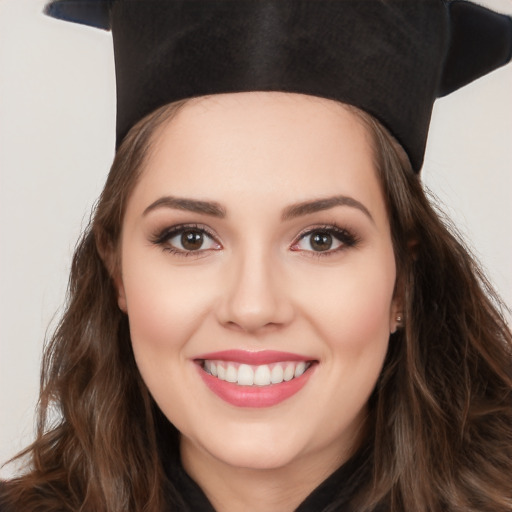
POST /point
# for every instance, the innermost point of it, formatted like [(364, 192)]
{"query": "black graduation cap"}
[(391, 58)]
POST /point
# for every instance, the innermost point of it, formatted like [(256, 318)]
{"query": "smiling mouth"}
[(255, 375)]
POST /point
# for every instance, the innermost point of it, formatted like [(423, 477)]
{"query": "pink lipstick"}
[(254, 379)]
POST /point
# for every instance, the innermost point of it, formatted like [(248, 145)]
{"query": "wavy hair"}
[(442, 408), (440, 423)]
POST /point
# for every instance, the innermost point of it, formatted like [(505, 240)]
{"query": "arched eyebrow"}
[(192, 205), (318, 205), (214, 209)]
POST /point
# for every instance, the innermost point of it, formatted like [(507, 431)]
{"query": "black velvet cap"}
[(390, 58)]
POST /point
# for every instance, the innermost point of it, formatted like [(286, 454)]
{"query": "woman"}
[(245, 333)]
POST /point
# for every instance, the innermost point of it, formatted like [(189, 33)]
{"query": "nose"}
[(254, 296)]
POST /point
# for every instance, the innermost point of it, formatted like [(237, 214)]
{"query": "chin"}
[(257, 456), (260, 446)]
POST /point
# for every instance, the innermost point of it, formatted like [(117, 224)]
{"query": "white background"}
[(56, 144)]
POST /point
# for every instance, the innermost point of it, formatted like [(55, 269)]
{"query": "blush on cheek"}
[(356, 315), (145, 306), (370, 313), (162, 316)]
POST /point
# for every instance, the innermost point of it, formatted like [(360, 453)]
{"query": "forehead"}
[(268, 145)]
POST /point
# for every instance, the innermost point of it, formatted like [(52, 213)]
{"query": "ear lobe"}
[(121, 295), (413, 246), (110, 258), (396, 316), (395, 321)]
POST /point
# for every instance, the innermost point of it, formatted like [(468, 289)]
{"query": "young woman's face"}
[(257, 272)]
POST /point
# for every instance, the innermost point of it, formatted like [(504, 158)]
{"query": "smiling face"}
[(256, 248)]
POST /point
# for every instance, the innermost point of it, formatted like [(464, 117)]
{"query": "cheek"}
[(351, 309), (354, 322), (358, 296), (164, 305)]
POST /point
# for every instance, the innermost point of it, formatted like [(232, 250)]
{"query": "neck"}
[(282, 489)]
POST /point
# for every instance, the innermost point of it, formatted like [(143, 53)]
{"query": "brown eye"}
[(187, 239), (326, 241), (192, 240), (321, 241)]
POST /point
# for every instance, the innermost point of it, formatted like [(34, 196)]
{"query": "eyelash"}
[(163, 237), (346, 238), (342, 235)]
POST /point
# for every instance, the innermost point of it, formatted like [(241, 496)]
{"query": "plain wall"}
[(57, 104)]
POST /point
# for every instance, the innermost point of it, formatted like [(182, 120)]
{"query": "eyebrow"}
[(191, 205), (318, 205), (214, 209)]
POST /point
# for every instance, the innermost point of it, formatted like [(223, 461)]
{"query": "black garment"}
[(333, 495), (390, 58)]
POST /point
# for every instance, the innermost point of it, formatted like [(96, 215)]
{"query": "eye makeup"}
[(325, 240), (197, 239), (194, 239)]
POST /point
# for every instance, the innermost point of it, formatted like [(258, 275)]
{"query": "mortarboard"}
[(390, 58)]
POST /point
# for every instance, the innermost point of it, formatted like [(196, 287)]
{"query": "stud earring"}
[(398, 320)]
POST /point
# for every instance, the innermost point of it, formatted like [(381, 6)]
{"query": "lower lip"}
[(255, 396)]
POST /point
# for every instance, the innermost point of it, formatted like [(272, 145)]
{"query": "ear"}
[(396, 318), (111, 259), (114, 269), (413, 247), (121, 295), (396, 315)]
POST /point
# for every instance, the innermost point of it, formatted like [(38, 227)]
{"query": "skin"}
[(257, 285)]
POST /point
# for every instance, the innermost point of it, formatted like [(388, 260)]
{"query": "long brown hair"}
[(443, 403), (440, 416)]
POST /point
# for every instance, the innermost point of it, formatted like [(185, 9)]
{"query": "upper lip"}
[(253, 358)]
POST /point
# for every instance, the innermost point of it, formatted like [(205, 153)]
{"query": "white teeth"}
[(260, 375), (245, 375), (277, 374), (231, 373), (289, 372), (300, 369)]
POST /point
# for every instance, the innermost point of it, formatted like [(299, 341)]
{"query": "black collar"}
[(334, 494)]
